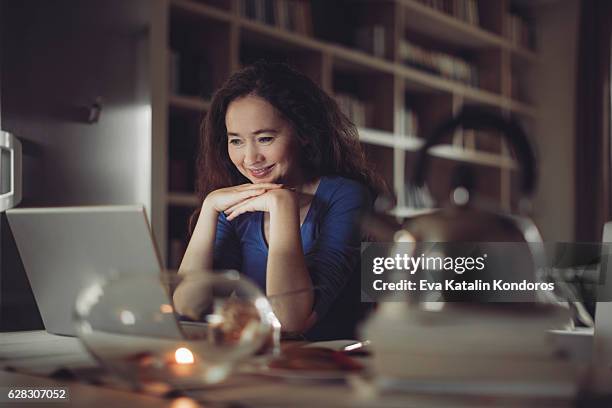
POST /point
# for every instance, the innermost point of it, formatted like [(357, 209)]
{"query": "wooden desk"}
[(238, 391)]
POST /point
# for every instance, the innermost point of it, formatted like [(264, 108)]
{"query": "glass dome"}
[(171, 331)]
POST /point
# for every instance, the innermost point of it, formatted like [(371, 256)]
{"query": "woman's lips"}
[(261, 173)]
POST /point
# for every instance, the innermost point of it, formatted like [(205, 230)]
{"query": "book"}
[(260, 11), (290, 15), (269, 15), (281, 14), (354, 108), (371, 39), (518, 30), (446, 65), (250, 9), (465, 10)]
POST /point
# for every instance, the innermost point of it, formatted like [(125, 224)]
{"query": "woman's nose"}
[(252, 154)]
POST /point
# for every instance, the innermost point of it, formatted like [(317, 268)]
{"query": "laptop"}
[(65, 249)]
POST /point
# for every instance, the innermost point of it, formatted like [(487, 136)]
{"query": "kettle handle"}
[(479, 119)]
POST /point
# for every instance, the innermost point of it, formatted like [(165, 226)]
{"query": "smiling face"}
[(260, 142)]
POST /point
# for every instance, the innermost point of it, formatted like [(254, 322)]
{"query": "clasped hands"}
[(236, 200)]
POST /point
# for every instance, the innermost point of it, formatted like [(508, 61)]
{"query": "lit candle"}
[(183, 364)]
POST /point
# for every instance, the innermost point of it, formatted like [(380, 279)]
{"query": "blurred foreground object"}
[(471, 339), (130, 325)]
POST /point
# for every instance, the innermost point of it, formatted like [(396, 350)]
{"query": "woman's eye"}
[(265, 139), (235, 142)]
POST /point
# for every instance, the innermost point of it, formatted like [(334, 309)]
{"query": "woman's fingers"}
[(227, 198), (253, 192), (251, 186), (247, 196), (237, 197), (242, 201), (257, 203), (238, 209)]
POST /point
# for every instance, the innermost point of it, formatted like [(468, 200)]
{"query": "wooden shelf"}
[(202, 9), (189, 103), (523, 53), (442, 26), (376, 137), (361, 61), (289, 38), (382, 138), (445, 151), (347, 56), (183, 199), (451, 152), (420, 81), (407, 212)]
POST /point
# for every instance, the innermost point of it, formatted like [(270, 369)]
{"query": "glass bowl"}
[(169, 331)]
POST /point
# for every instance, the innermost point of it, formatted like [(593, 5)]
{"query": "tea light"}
[(183, 364), (184, 402), (183, 355)]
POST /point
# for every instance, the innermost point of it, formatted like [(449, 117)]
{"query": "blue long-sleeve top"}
[(331, 242)]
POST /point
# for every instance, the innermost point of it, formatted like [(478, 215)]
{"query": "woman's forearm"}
[(286, 268), (199, 252), (198, 257)]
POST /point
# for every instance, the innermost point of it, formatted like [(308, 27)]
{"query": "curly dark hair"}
[(329, 140)]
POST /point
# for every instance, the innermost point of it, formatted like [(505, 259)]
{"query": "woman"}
[(283, 183)]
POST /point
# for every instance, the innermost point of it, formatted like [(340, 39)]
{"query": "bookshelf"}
[(362, 61)]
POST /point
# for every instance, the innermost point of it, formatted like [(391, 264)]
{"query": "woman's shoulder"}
[(341, 183), (339, 188)]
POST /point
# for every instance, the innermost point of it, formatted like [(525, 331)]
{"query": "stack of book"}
[(418, 197), (446, 65), (371, 39), (291, 15), (466, 10), (354, 108), (519, 31)]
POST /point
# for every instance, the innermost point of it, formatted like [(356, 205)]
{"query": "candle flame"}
[(183, 355), (184, 402)]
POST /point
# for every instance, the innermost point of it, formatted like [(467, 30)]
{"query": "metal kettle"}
[(465, 218), (468, 225)]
